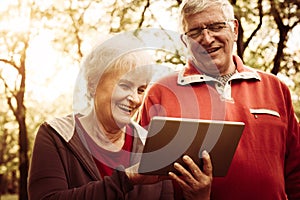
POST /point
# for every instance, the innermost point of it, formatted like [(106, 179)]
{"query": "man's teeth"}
[(212, 50)]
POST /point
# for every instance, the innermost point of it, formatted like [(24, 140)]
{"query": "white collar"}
[(199, 78)]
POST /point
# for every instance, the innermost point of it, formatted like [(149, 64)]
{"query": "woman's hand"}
[(195, 184)]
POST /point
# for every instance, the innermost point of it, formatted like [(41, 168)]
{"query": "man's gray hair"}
[(191, 7)]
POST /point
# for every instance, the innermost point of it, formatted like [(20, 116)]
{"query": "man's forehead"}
[(209, 15)]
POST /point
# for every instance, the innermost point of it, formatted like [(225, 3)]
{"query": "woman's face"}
[(118, 97)]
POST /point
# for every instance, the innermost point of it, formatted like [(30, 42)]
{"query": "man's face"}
[(212, 49)]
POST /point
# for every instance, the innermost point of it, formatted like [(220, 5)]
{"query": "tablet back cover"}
[(170, 138)]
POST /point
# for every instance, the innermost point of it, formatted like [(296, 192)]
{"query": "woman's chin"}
[(123, 121)]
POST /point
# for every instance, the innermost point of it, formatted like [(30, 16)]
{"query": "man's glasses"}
[(214, 28)]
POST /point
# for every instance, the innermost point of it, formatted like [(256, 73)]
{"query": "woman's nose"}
[(134, 97)]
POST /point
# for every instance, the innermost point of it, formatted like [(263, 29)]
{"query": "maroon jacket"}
[(64, 169)]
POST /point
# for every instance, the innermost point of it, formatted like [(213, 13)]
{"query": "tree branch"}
[(276, 15), (295, 24), (11, 63), (143, 14), (6, 87), (260, 10)]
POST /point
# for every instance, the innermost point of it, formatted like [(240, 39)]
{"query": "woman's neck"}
[(113, 135), (107, 138)]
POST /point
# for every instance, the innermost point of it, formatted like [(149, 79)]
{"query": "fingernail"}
[(204, 153), (185, 157)]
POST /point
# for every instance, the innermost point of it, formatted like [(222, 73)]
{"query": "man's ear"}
[(183, 39), (235, 29)]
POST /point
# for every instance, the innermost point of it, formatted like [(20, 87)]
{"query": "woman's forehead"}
[(135, 74), (127, 73)]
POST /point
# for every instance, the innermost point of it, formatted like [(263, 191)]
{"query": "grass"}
[(9, 197)]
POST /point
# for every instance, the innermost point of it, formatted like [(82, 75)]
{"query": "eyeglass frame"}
[(200, 30)]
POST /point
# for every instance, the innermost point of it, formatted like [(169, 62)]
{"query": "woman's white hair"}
[(191, 7), (110, 58)]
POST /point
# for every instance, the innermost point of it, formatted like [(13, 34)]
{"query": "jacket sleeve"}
[(48, 177)]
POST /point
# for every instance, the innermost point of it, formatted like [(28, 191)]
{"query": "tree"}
[(8, 150), (15, 42), (251, 13), (286, 14), (15, 101)]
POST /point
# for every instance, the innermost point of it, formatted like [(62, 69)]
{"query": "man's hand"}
[(195, 184)]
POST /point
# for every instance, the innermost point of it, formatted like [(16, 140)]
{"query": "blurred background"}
[(43, 41)]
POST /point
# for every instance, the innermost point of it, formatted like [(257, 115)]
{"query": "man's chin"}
[(210, 70)]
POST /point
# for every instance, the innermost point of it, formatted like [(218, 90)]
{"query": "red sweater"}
[(266, 164)]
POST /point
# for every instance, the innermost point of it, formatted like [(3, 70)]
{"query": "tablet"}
[(170, 138)]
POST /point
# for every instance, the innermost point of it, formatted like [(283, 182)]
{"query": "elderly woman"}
[(93, 154)]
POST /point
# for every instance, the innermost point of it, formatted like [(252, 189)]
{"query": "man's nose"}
[(206, 37)]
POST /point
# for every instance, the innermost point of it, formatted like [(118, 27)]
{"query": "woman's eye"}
[(141, 90), (124, 86)]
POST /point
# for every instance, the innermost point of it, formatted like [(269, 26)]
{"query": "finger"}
[(180, 182), (187, 176), (194, 169), (207, 165)]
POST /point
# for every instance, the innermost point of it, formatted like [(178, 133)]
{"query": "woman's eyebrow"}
[(125, 80)]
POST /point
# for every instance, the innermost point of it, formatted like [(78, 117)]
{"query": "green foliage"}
[(9, 162)]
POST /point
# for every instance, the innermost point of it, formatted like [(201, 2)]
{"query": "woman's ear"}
[(183, 38)]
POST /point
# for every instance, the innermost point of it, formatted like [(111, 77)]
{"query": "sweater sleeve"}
[(153, 104), (292, 157), (50, 177), (145, 112)]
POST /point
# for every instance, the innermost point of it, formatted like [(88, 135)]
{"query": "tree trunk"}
[(23, 157), (279, 54), (23, 139)]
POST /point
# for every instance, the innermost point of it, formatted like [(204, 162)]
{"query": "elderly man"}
[(215, 84)]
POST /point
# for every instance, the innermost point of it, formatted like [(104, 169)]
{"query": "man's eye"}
[(216, 27), (194, 33)]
